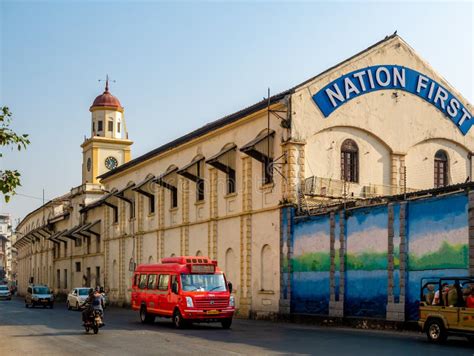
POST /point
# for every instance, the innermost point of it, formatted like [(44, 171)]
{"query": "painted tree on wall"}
[(10, 179)]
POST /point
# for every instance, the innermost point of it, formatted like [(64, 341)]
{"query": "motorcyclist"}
[(95, 301)]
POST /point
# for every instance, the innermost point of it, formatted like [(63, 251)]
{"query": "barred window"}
[(441, 169), (350, 161)]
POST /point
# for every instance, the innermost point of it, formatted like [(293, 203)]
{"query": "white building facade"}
[(382, 122)]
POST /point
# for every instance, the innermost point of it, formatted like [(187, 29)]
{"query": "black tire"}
[(436, 332), (96, 329), (226, 323), (44, 306), (470, 339), (178, 321), (51, 306), (26, 304), (145, 317), (68, 305)]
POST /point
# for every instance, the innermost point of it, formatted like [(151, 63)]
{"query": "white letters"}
[(442, 97), (350, 88), (430, 93), (422, 81), (359, 76), (371, 80), (335, 95), (453, 108), (379, 79), (465, 116), (397, 77)]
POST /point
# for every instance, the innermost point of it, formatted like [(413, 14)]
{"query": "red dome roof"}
[(107, 99)]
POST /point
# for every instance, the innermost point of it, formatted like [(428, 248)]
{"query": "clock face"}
[(111, 162), (89, 164)]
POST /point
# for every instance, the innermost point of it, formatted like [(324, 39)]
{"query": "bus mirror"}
[(174, 287), (229, 285)]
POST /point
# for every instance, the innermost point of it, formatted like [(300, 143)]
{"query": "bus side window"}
[(152, 281), (136, 280), (142, 284), (163, 282)]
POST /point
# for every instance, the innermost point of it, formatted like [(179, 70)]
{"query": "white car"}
[(5, 292), (77, 297)]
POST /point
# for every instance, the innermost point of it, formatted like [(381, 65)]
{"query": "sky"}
[(179, 65)]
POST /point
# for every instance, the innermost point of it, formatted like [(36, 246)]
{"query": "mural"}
[(437, 246), (310, 266), (366, 263), (437, 242)]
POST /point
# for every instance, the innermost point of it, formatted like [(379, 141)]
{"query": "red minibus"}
[(187, 289)]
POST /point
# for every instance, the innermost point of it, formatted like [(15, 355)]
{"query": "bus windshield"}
[(203, 283)]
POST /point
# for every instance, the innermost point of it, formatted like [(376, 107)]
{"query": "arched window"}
[(231, 268), (349, 161), (266, 268), (150, 259), (441, 169), (199, 253)]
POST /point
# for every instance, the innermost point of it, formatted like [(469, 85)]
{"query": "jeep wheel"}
[(26, 304), (470, 339), (146, 318), (436, 332)]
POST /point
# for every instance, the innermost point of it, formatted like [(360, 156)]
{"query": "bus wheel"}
[(146, 318), (178, 320), (435, 331), (226, 323)]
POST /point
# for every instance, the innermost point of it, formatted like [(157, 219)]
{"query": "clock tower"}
[(109, 146)]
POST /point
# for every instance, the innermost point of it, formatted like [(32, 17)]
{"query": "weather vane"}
[(107, 79)]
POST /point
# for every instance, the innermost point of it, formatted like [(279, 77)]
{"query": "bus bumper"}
[(208, 315)]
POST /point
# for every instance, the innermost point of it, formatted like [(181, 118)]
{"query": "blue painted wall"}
[(437, 245)]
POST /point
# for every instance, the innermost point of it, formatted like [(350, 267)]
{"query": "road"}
[(59, 332)]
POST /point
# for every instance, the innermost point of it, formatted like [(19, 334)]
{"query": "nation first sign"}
[(370, 79)]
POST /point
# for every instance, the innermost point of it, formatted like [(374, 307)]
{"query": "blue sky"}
[(180, 65)]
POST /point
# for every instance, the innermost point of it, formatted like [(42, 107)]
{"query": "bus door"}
[(151, 294), (136, 281), (141, 295), (172, 297), (163, 293)]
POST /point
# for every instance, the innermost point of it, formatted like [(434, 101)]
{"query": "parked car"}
[(39, 294), (443, 308), (5, 292), (77, 297)]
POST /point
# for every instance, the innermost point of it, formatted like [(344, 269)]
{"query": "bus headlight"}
[(189, 302), (232, 301)]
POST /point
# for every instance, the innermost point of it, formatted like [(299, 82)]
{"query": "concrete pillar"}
[(471, 232), (336, 306), (286, 253), (293, 169), (396, 311)]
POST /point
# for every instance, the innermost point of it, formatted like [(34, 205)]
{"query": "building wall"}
[(383, 253), (392, 128)]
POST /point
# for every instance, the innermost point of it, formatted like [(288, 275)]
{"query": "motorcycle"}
[(94, 321)]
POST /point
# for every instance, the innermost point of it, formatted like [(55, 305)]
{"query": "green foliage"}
[(367, 261), (448, 256), (313, 262), (10, 179)]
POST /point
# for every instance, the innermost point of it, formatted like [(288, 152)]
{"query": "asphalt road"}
[(58, 332)]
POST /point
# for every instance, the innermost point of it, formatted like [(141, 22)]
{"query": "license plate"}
[(213, 312), (44, 300)]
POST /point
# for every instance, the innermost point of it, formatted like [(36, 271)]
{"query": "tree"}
[(10, 179)]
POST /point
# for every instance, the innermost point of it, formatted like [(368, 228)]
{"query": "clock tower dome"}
[(108, 146)]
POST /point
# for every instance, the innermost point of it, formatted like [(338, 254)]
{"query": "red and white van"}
[(187, 289)]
